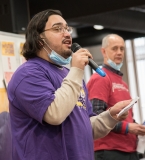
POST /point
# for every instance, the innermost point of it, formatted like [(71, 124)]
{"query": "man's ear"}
[(43, 37), (41, 42), (103, 52)]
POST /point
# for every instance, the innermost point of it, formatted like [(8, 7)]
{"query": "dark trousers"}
[(115, 155)]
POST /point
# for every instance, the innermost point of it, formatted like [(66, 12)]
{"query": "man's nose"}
[(120, 51), (66, 33)]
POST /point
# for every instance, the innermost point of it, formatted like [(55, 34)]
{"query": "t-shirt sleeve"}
[(34, 94), (99, 87)]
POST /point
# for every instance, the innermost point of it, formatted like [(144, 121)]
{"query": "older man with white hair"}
[(121, 142)]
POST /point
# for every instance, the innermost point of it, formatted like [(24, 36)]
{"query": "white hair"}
[(105, 41)]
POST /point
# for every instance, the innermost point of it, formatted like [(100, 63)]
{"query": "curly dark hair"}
[(34, 42)]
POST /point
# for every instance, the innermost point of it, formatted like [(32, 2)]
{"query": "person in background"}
[(121, 142), (51, 116)]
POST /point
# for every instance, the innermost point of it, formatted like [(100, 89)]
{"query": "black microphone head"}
[(75, 47)]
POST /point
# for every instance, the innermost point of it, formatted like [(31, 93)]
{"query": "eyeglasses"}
[(60, 29)]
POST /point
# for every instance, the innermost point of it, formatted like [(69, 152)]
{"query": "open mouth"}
[(67, 42)]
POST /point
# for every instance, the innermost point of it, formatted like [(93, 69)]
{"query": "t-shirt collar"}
[(112, 70)]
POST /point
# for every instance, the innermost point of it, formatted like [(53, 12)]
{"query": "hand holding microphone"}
[(80, 58), (87, 58)]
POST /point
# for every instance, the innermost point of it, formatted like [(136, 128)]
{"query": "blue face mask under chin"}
[(114, 65), (56, 58)]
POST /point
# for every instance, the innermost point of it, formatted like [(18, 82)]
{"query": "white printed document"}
[(128, 107)]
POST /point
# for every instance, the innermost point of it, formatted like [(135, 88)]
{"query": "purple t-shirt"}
[(30, 91), (5, 137)]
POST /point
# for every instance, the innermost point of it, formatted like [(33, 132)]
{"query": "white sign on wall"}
[(10, 59)]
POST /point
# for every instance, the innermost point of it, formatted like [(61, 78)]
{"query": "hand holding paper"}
[(114, 110), (128, 107)]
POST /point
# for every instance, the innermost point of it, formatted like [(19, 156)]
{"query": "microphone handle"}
[(94, 66)]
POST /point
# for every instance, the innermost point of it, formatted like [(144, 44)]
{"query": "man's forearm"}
[(102, 124)]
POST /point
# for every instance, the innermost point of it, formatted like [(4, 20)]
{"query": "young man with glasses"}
[(49, 107)]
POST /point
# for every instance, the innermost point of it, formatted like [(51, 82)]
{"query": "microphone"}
[(92, 64)]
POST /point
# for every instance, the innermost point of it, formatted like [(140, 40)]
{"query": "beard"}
[(64, 53), (67, 53)]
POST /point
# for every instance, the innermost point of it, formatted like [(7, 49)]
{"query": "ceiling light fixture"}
[(98, 27)]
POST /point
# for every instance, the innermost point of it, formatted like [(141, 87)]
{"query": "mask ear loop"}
[(46, 50), (47, 45), (109, 59)]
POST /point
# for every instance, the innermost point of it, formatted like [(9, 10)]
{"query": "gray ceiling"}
[(124, 17)]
